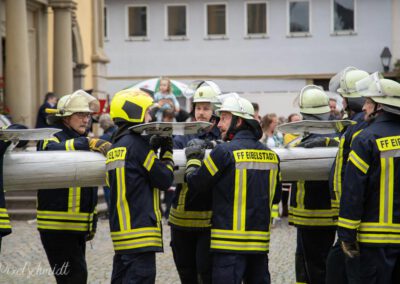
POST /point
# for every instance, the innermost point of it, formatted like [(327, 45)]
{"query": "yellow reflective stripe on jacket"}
[(149, 161), (337, 176), (74, 199), (46, 141), (348, 223), (306, 221), (210, 165), (123, 212), (300, 193), (69, 226), (156, 204), (354, 136), (273, 179), (193, 219), (239, 240), (170, 168), (239, 202), (137, 238), (358, 162), (69, 145), (386, 190), (313, 212), (379, 238), (275, 211), (5, 224)]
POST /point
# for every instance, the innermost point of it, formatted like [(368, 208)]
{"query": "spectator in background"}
[(335, 113), (50, 101), (271, 138), (289, 137), (256, 112), (168, 116), (165, 99), (109, 129)]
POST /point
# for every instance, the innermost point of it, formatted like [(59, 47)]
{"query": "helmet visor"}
[(370, 86)]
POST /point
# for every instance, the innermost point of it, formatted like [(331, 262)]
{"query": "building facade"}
[(49, 45), (267, 50)]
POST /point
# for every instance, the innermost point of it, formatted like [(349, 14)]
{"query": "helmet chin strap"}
[(377, 109), (230, 133)]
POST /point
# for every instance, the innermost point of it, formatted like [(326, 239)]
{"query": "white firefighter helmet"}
[(344, 82), (79, 101), (236, 105), (313, 100), (205, 94), (383, 91)]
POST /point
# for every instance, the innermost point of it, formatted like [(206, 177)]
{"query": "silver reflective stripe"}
[(115, 164), (241, 235), (256, 166), (73, 204), (240, 199), (364, 227), (390, 154), (121, 199), (386, 191)]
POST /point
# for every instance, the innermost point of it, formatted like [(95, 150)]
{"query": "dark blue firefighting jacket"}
[(135, 175), (5, 226), (310, 201), (243, 177), (370, 203), (68, 209), (339, 165), (191, 210)]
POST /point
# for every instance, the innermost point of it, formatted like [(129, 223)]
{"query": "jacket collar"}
[(244, 134)]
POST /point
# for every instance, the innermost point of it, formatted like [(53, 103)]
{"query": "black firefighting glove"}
[(351, 250), (99, 145), (155, 142), (210, 144), (195, 150), (319, 142)]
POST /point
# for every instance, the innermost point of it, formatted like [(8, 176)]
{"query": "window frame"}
[(106, 23), (263, 35), (137, 38), (344, 32), (206, 35), (299, 34), (167, 36)]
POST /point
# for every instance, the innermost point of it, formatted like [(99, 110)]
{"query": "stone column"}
[(62, 64), (18, 79)]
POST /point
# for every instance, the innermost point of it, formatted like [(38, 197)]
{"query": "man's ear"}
[(239, 122)]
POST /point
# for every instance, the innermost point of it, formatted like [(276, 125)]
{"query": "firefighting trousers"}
[(191, 251), (66, 255), (341, 269), (316, 244), (134, 268), (230, 268), (379, 265), (300, 263)]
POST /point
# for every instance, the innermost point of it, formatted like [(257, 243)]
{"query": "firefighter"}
[(310, 205), (190, 213), (66, 218), (135, 176), (242, 177), (369, 217), (339, 268)]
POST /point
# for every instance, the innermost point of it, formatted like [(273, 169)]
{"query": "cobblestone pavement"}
[(23, 259)]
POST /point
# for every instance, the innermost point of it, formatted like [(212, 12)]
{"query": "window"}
[(105, 23), (256, 18), (299, 17), (343, 15), (176, 21), (137, 21), (216, 19)]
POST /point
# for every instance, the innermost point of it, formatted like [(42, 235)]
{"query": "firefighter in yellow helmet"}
[(369, 217), (310, 202), (66, 218), (135, 176), (242, 177), (190, 214), (341, 269)]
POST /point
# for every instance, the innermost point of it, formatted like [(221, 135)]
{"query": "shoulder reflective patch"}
[(46, 141), (255, 159), (116, 154), (116, 158), (388, 143)]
